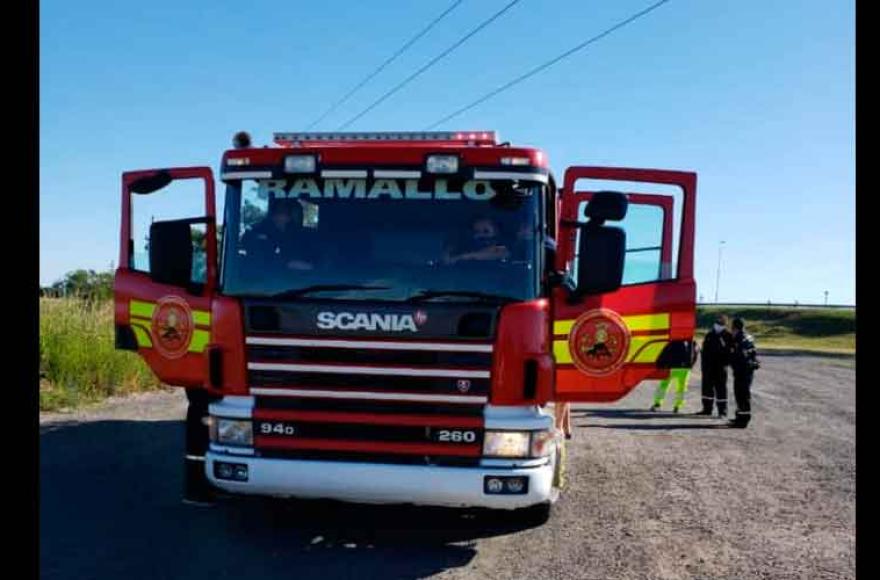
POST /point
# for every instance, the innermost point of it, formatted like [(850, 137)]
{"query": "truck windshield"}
[(382, 239)]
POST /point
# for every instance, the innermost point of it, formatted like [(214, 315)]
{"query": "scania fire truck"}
[(388, 317)]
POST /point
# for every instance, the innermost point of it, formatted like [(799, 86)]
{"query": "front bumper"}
[(383, 483)]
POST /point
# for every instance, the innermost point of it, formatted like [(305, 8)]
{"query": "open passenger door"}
[(163, 295), (606, 343)]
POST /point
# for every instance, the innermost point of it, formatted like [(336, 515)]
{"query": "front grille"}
[(413, 403), (377, 383), (358, 431), (373, 356), (412, 367), (372, 458), (368, 406)]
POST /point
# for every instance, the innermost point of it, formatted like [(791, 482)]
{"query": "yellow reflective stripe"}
[(648, 354), (637, 342), (202, 317), (561, 352), (647, 322), (636, 353), (142, 334), (142, 309), (200, 339), (634, 323), (562, 326)]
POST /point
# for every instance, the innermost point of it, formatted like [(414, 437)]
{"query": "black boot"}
[(740, 420)]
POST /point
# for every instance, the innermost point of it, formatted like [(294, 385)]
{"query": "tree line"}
[(86, 284)]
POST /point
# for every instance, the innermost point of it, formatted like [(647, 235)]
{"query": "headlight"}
[(506, 444), (232, 431)]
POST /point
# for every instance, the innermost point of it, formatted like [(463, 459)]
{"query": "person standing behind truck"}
[(744, 362), (562, 411), (679, 358), (715, 357)]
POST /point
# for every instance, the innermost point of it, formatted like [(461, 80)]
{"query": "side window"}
[(643, 225), (180, 200)]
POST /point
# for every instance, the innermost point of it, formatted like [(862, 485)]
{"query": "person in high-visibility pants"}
[(680, 376), (679, 357)]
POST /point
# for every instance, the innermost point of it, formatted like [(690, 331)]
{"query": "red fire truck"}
[(387, 315)]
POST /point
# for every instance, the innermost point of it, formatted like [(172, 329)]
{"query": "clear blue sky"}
[(756, 96)]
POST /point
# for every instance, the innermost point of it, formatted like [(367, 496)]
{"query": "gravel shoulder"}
[(650, 496)]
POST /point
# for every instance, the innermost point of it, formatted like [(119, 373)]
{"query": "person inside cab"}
[(279, 240), (483, 244)]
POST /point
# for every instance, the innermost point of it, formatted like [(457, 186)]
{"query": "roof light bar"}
[(478, 137)]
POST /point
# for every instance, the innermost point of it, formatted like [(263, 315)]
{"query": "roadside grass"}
[(78, 361), (816, 329)]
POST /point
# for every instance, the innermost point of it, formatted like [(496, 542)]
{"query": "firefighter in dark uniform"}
[(714, 360), (744, 362)]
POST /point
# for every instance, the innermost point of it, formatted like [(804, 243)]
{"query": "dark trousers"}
[(196, 486), (714, 387), (742, 390)]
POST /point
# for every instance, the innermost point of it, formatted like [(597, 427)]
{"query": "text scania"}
[(476, 190), (366, 321)]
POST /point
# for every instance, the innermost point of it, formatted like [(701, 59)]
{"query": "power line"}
[(430, 63), (388, 61), (548, 64)]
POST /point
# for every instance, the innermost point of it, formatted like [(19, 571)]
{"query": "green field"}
[(819, 329), (78, 362)]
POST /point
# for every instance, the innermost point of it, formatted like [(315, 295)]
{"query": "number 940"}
[(276, 429)]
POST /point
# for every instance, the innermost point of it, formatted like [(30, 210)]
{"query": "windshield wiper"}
[(484, 296), (295, 292)]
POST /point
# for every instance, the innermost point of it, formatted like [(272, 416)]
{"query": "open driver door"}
[(163, 295), (629, 291)]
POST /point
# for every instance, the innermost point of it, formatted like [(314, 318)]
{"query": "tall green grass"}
[(78, 361)]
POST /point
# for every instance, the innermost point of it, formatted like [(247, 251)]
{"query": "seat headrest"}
[(607, 205)]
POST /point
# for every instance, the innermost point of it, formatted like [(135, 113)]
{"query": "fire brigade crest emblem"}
[(599, 342), (172, 326)]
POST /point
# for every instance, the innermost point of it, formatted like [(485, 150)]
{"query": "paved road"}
[(651, 496)]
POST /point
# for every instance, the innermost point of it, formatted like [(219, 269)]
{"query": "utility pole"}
[(718, 272), (826, 298)]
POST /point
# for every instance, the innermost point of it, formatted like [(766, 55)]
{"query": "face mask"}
[(717, 327)]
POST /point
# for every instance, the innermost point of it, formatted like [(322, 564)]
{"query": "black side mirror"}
[(150, 183), (602, 248), (171, 253)]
